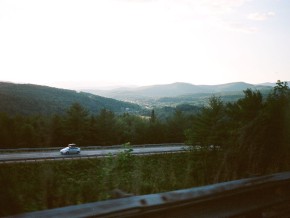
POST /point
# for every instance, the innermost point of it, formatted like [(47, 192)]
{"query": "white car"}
[(70, 149)]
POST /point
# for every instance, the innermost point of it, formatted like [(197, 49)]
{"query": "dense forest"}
[(79, 126)]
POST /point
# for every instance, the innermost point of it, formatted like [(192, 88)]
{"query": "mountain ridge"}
[(175, 89)]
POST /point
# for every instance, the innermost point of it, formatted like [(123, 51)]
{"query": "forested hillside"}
[(27, 99)]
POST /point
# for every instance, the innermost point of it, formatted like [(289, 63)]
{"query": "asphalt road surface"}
[(22, 156)]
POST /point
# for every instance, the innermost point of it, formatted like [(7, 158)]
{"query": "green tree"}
[(209, 125), (243, 116), (107, 130), (76, 123), (7, 131), (176, 126), (277, 125), (92, 137), (260, 130), (246, 108), (155, 130), (57, 136), (133, 128), (27, 134)]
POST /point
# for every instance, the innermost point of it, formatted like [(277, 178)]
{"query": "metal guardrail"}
[(252, 197)]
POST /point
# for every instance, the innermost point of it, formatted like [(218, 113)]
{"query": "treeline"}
[(253, 132), (79, 126)]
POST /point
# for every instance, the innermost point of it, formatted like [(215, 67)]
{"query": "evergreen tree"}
[(76, 123), (106, 128), (57, 136), (209, 125)]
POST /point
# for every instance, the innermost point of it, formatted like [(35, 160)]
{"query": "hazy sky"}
[(83, 43)]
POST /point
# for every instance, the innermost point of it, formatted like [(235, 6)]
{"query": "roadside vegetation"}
[(51, 184)]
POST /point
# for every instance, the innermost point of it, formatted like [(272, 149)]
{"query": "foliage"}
[(253, 131), (208, 127), (78, 126), (44, 185)]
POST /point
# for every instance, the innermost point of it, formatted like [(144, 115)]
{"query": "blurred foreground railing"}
[(265, 196)]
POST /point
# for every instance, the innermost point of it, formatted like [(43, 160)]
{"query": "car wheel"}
[(78, 152)]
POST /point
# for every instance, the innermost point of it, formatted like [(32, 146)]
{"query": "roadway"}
[(42, 155)]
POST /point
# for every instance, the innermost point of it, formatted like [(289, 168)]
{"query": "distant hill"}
[(30, 99), (177, 92), (175, 89)]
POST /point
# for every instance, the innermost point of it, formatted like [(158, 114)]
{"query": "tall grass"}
[(42, 185)]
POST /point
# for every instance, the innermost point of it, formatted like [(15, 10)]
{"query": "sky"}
[(106, 43)]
